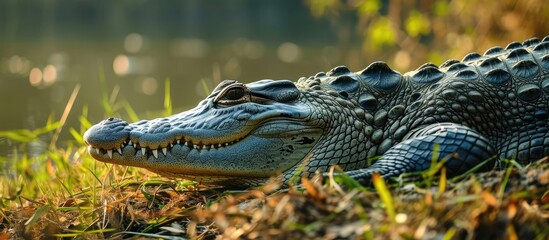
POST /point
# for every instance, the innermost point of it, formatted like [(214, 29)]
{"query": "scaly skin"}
[(480, 110)]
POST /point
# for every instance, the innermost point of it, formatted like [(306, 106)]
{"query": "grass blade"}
[(168, 109), (385, 195), (205, 86), (131, 113), (65, 115), (34, 218)]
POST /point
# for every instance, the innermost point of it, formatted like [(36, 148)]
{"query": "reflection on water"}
[(288, 52), (133, 42), (136, 65), (45, 77), (135, 46), (18, 65)]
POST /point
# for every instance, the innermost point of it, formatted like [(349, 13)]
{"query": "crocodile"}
[(472, 113)]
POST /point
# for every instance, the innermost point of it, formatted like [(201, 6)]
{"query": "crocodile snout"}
[(108, 134)]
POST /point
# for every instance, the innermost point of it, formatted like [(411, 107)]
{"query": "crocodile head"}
[(241, 134)]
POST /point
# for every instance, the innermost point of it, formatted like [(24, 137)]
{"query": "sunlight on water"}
[(49, 75), (149, 86), (18, 65), (35, 77), (125, 65), (125, 56), (133, 42), (43, 77), (288, 52), (121, 65)]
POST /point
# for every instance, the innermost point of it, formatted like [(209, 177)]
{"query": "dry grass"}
[(505, 204), (469, 209)]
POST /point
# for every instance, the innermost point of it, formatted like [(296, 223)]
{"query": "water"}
[(51, 47)]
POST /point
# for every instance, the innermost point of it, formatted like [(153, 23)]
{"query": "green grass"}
[(63, 192)]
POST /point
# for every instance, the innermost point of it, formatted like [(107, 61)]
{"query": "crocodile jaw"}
[(209, 145), (251, 157)]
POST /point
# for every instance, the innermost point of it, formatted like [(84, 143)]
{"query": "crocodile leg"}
[(463, 148)]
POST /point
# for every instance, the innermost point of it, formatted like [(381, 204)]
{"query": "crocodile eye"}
[(234, 93)]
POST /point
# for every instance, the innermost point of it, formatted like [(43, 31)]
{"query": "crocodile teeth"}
[(198, 146), (109, 152)]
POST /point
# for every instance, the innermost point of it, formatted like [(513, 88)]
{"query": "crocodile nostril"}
[(112, 121)]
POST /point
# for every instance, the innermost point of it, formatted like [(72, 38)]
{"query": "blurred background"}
[(122, 53)]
